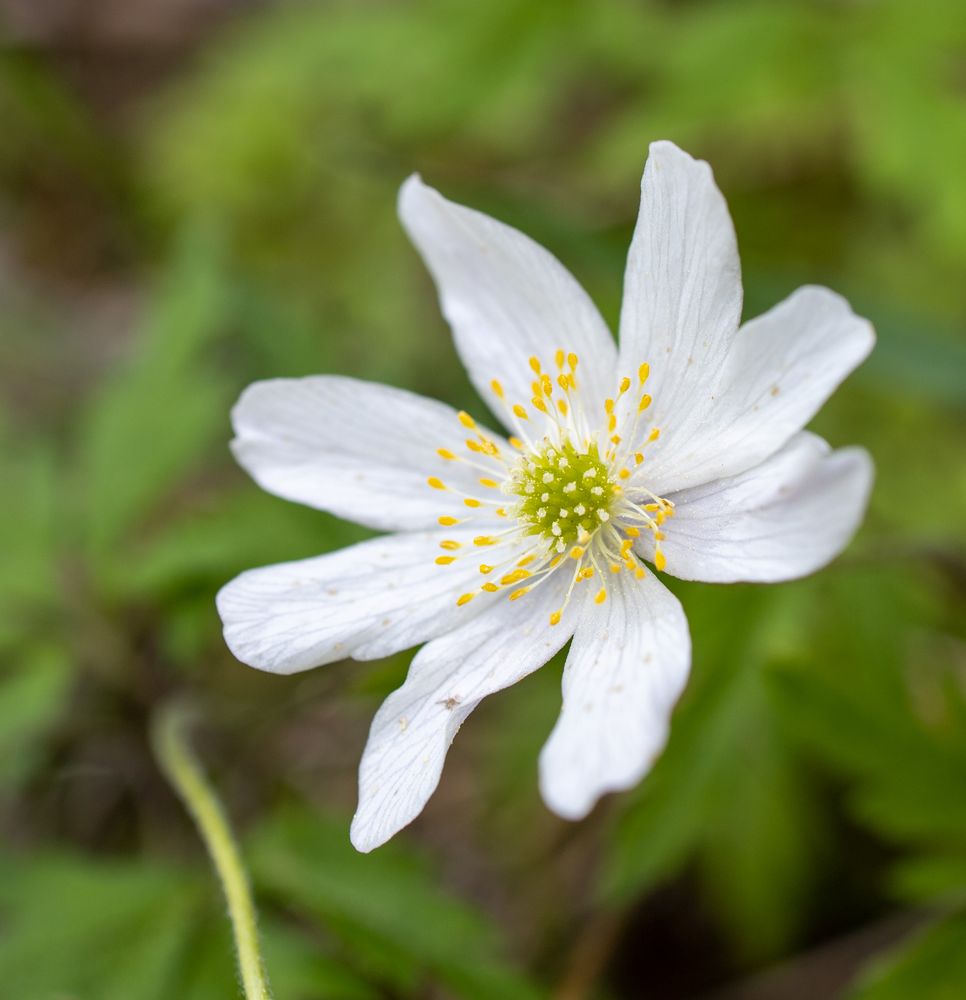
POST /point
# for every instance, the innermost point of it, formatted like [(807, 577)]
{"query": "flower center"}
[(565, 493), (569, 497)]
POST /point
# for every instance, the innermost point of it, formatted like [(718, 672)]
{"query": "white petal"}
[(359, 450), (448, 678), (780, 370), (506, 299), (627, 667), (365, 601), (782, 519), (682, 290)]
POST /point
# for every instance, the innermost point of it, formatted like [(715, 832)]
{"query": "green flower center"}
[(565, 494)]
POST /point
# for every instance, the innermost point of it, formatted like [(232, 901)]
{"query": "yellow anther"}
[(624, 473), (660, 560), (517, 594), (644, 403), (555, 618), (638, 457), (625, 385), (490, 484), (489, 447), (611, 424), (497, 389), (630, 564), (536, 388), (608, 406), (445, 560), (562, 406), (526, 560), (490, 588), (654, 435), (474, 445), (563, 380), (659, 536), (472, 502), (639, 573), (484, 540), (437, 484), (484, 569), (626, 547), (652, 506), (501, 512), (466, 420), (559, 357), (464, 599), (572, 361), (450, 544), (616, 439), (539, 404), (643, 372), (535, 364), (518, 444), (587, 572), (546, 383), (615, 567), (447, 522), (445, 453), (576, 552), (520, 411), (633, 532), (515, 576), (601, 596)]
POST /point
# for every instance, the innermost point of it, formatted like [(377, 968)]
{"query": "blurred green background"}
[(199, 194)]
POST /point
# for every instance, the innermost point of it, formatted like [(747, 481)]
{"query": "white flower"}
[(684, 448)]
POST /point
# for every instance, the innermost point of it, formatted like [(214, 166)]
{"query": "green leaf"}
[(386, 907), (151, 422), (931, 966)]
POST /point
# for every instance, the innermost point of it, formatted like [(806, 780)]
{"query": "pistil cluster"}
[(567, 494)]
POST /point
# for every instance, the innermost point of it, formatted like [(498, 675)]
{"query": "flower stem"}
[(183, 769)]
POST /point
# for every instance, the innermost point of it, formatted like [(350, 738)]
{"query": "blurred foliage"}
[(240, 217)]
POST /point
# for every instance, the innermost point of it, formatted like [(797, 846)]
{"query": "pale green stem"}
[(183, 770)]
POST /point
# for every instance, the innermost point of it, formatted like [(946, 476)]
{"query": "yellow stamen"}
[(601, 596), (497, 389), (572, 361), (633, 532), (624, 473), (562, 406), (517, 594), (535, 364), (576, 552), (520, 411), (555, 618), (518, 444), (484, 569), (644, 403), (437, 484), (660, 560), (559, 357), (464, 599), (445, 560), (445, 453), (450, 544), (491, 484), (484, 540), (473, 502), (514, 577), (490, 588), (643, 372), (448, 522), (625, 385)]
